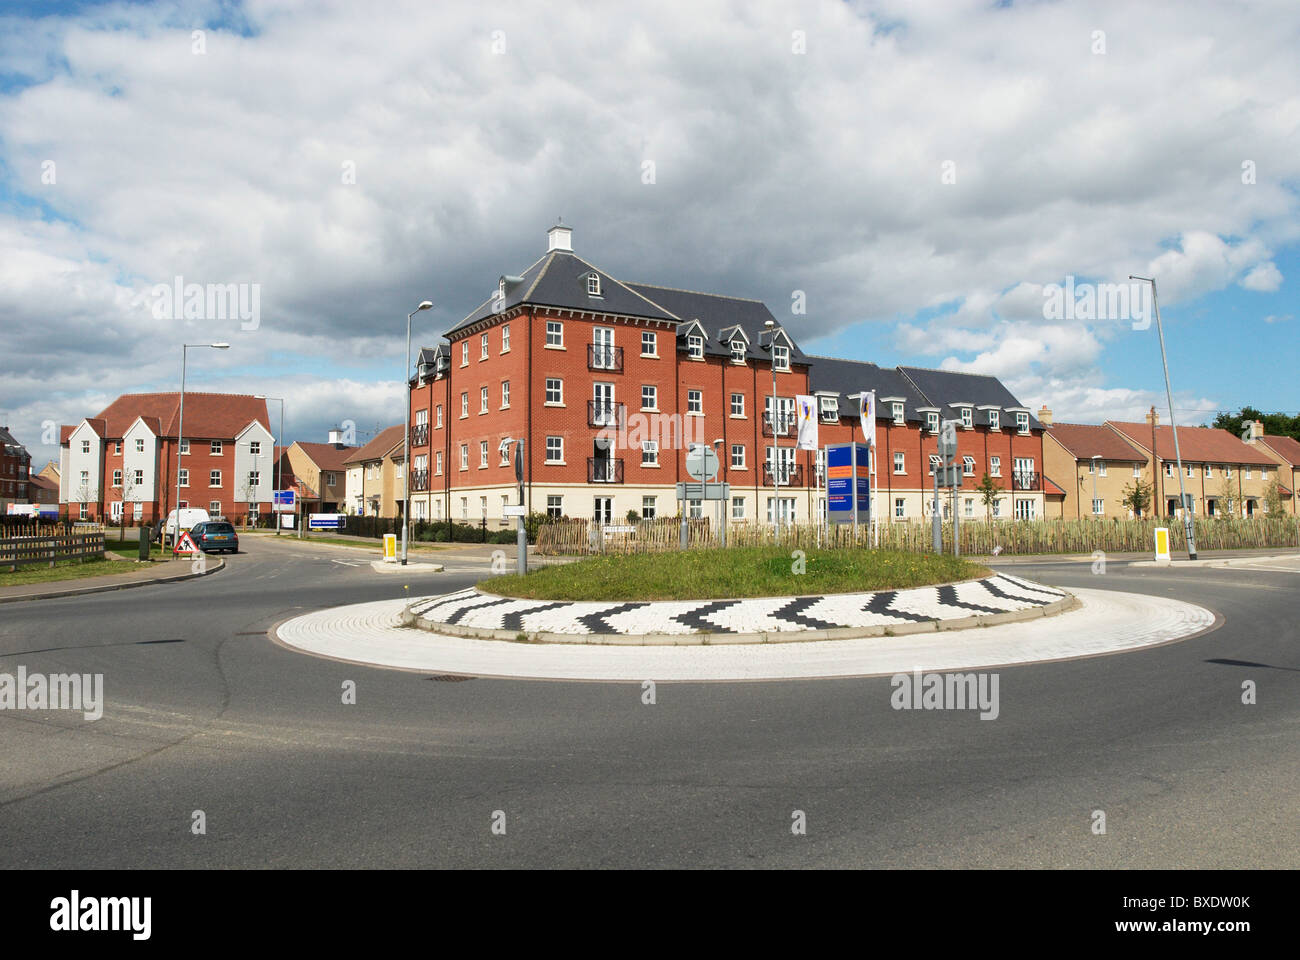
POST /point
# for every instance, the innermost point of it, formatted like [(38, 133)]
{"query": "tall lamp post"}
[(406, 432), (180, 433), (1095, 467), (280, 441), (770, 326), (1189, 530)]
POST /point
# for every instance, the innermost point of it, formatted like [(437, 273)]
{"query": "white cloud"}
[(1264, 278)]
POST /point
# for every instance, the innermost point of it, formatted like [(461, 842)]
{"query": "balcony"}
[(789, 474), (1021, 480), (420, 435), (604, 470), (419, 481), (603, 357), (601, 413), (785, 424)]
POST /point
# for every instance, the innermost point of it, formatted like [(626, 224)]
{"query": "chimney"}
[(1045, 416), (559, 237), (1153, 418), (1257, 429)]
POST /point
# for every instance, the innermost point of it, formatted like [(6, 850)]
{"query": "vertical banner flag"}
[(867, 411), (807, 410)]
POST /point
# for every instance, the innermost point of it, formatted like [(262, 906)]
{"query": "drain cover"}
[(449, 678)]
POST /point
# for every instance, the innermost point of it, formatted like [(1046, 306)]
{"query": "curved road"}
[(204, 712)]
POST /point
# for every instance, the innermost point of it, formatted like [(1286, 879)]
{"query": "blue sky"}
[(919, 172)]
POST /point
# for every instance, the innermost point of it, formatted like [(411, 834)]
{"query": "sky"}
[(916, 175)]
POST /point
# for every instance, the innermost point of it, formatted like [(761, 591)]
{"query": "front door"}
[(603, 397), (604, 510), (603, 355)]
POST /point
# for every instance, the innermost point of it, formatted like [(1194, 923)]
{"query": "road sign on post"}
[(283, 501), (702, 462), (326, 521), (848, 482)]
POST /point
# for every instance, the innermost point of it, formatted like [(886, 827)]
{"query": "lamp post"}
[(280, 442), (722, 507), (406, 432), (521, 533), (180, 432), (1189, 530), (1095, 466), (770, 326)]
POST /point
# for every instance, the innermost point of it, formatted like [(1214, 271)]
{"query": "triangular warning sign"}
[(185, 544)]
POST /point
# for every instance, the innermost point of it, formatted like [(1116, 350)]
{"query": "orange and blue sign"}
[(840, 482)]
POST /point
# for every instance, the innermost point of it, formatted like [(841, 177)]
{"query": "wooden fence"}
[(978, 537), (18, 552)]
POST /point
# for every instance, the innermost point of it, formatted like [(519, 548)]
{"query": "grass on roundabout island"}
[(721, 574), (65, 570)]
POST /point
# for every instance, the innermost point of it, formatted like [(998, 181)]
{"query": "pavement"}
[(203, 710), (148, 573)]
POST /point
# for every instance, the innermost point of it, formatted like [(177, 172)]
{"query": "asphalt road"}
[(204, 712)]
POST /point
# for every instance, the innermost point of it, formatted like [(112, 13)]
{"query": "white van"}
[(189, 517)]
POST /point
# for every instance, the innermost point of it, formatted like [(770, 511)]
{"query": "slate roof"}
[(378, 448), (851, 377), (1197, 444), (719, 316), (1288, 448), (1085, 440), (945, 387)]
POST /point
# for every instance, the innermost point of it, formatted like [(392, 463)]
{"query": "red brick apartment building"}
[(15, 467), (124, 459), (610, 381)]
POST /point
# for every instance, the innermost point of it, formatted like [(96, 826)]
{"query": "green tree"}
[(988, 490), (1227, 498), (1137, 496), (1273, 497), (1275, 424)]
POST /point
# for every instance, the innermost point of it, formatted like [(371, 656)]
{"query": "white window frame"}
[(737, 508), (183, 476), (734, 398), (593, 285), (464, 353), (214, 448), (995, 466), (649, 453), (117, 478), (556, 443), (828, 408), (505, 338), (968, 466), (781, 357), (649, 508), (653, 395), (900, 462), (1098, 506), (738, 462), (695, 402), (737, 350), (559, 391), (695, 346), (555, 334), (483, 348), (555, 505), (900, 508), (438, 418), (995, 420), (652, 338), (1022, 423), (482, 400), (932, 422), (900, 413), (139, 444), (967, 418), (505, 394), (464, 456), (214, 475), (482, 454)]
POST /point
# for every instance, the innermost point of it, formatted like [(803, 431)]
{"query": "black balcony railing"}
[(420, 435), (1024, 480), (419, 480), (604, 357), (785, 424), (789, 474), (602, 413), (604, 470)]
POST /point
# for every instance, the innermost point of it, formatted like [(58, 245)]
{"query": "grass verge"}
[(65, 570), (726, 574)]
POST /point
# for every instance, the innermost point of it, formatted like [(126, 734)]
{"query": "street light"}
[(1188, 529), (406, 433), (180, 430), (521, 533), (1095, 457), (279, 441), (770, 329)]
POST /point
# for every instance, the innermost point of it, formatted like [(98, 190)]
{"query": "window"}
[(1248, 472), (898, 413), (554, 333), (603, 509), (464, 404), (649, 397), (464, 456), (1137, 471), (421, 417), (254, 478), (117, 478), (505, 339), (1227, 471), (968, 507), (1191, 471), (1097, 506), (1169, 468), (464, 508), (139, 445), (995, 466), (995, 420), (935, 463), (649, 344), (737, 351), (695, 509), (932, 422), (593, 285), (737, 404), (85, 446), (437, 461), (784, 508), (1025, 509), (185, 447), (184, 475), (695, 401), (554, 506), (900, 508), (968, 466), (737, 508), (1022, 425), (649, 510), (505, 394), (85, 476), (695, 346), (1209, 471), (482, 506), (215, 448), (438, 416), (830, 409), (997, 507), (482, 400), (214, 508), (482, 454), (737, 456), (505, 501), (82, 514), (554, 391), (214, 478), (967, 418), (504, 450), (649, 453), (900, 463), (139, 478), (780, 356), (483, 347), (254, 448), (554, 449), (464, 353)]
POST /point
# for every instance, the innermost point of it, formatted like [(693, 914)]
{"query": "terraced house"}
[(611, 381), (373, 476)]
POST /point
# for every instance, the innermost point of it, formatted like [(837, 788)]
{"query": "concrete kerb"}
[(1066, 603), (211, 568)]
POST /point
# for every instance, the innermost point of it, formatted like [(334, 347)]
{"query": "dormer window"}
[(967, 418), (1022, 422), (932, 422), (898, 414), (695, 346), (995, 420), (830, 409), (593, 284), (780, 356), (737, 351)]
